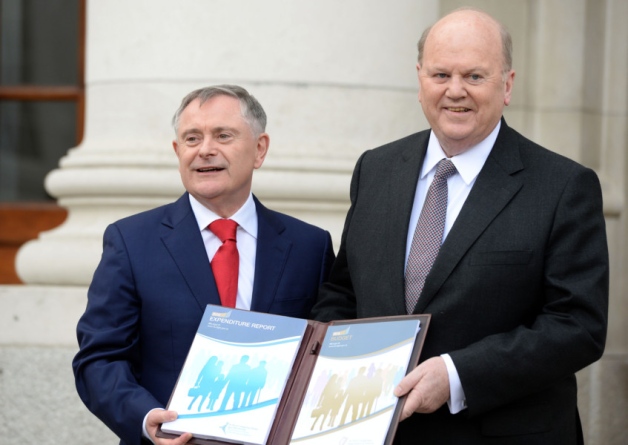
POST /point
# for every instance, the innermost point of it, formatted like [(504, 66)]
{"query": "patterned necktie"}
[(428, 234), (226, 261)]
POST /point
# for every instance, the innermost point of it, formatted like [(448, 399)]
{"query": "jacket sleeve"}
[(107, 366)]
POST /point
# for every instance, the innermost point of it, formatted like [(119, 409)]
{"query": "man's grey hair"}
[(251, 109), (505, 35)]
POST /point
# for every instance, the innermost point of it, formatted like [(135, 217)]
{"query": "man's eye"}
[(224, 136), (475, 77), (191, 139), (441, 75)]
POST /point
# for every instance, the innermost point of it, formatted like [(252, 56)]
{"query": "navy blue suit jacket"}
[(148, 295)]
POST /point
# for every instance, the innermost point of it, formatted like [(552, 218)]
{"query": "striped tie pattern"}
[(428, 234)]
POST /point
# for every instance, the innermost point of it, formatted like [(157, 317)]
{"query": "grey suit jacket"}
[(518, 293)]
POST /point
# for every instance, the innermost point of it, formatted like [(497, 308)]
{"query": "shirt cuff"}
[(457, 401)]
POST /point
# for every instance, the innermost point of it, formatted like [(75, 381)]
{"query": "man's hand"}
[(427, 387), (155, 418)]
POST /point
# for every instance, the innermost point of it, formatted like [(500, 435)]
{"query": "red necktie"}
[(226, 261)]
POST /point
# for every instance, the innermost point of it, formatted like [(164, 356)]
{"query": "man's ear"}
[(510, 80), (263, 142), (418, 75)]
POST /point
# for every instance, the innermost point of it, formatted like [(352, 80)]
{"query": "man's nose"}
[(456, 88), (208, 147)]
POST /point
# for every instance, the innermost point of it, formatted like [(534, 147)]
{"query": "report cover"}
[(235, 375), (350, 398)]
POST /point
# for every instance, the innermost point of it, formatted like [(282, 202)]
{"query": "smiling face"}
[(463, 87), (217, 153)]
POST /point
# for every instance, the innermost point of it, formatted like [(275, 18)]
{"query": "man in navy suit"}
[(155, 277), (518, 291)]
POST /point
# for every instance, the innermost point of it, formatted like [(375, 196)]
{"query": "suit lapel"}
[(183, 240), (270, 259), (493, 189)]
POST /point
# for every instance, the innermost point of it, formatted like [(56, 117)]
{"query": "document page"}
[(350, 398), (234, 375)]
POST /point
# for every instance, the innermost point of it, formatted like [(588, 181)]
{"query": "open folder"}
[(257, 378)]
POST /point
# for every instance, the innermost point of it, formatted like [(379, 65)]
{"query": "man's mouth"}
[(458, 109), (209, 169)]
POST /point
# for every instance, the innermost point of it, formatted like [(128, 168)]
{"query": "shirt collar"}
[(468, 164), (246, 216)]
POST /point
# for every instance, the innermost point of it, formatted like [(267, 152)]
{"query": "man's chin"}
[(456, 142)]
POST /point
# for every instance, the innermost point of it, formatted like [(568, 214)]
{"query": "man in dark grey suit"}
[(518, 291)]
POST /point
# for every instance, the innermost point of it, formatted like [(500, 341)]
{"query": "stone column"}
[(335, 78)]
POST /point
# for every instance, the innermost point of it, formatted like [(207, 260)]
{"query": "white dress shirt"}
[(468, 165), (246, 239)]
